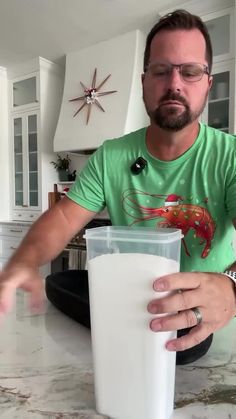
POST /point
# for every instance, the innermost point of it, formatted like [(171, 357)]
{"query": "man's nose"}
[(174, 81)]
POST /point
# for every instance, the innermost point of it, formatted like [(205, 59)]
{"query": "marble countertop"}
[(46, 371)]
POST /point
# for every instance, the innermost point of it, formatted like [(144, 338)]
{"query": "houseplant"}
[(62, 165)]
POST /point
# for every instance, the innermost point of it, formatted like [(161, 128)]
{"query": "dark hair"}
[(179, 19)]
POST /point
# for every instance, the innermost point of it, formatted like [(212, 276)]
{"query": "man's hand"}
[(212, 293), (23, 277)]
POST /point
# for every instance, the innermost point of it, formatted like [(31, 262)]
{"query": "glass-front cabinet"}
[(219, 102), (32, 143), (25, 135), (219, 31), (24, 92), (220, 26), (219, 110), (35, 91), (18, 161)]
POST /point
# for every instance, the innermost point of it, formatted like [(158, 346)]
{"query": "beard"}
[(170, 119)]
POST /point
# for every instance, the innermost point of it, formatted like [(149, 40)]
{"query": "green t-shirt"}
[(196, 193)]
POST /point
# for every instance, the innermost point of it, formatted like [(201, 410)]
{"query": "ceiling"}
[(51, 28)]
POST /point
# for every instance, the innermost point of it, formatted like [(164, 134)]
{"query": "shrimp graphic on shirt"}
[(176, 214)]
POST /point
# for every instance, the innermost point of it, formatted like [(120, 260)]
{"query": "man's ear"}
[(210, 81)]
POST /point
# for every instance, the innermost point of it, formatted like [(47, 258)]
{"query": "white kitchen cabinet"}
[(220, 26), (220, 108), (26, 164), (25, 92), (219, 111), (34, 109), (11, 235)]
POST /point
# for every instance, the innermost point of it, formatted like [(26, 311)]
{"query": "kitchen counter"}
[(46, 371)]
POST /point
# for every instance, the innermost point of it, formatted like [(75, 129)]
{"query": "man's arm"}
[(44, 241), (50, 233)]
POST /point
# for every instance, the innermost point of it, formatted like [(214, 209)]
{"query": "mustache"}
[(173, 96)]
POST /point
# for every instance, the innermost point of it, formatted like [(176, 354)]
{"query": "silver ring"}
[(198, 314)]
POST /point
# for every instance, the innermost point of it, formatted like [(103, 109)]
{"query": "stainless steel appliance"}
[(74, 255)]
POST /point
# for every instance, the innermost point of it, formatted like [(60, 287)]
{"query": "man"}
[(188, 182)]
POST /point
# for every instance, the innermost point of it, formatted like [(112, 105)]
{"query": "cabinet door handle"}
[(16, 231), (13, 248)]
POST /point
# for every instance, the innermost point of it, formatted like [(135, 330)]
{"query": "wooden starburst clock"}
[(91, 96)]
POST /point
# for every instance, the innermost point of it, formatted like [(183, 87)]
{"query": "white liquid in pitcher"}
[(134, 373)]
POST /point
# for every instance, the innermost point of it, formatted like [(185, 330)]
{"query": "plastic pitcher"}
[(134, 373)]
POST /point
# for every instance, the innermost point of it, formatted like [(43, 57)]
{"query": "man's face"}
[(171, 102)]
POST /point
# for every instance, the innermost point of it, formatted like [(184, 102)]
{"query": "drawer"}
[(12, 230), (30, 216), (8, 246)]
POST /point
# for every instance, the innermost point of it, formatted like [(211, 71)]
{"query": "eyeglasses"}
[(189, 72)]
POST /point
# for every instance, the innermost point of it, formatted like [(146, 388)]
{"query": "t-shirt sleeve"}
[(88, 189), (231, 186)]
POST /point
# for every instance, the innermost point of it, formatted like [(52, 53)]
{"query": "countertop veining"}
[(46, 371)]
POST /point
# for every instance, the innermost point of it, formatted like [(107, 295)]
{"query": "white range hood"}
[(122, 59)]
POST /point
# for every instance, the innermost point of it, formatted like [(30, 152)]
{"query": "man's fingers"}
[(175, 302), (181, 280), (28, 280), (196, 335), (37, 298), (206, 296), (7, 297), (182, 320)]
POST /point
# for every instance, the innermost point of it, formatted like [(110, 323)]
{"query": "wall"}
[(200, 7)]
